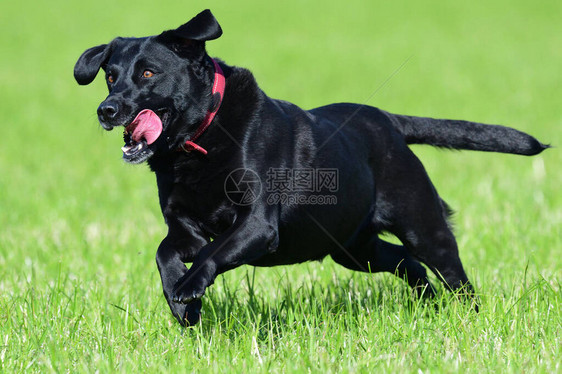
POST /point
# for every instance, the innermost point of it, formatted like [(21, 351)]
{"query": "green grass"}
[(79, 289)]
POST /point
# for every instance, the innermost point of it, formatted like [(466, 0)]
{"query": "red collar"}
[(218, 93)]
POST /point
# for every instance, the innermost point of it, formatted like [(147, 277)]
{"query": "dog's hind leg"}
[(375, 255), (413, 211)]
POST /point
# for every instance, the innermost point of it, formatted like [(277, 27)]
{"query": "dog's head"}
[(159, 86)]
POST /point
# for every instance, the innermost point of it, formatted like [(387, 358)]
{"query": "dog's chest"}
[(203, 204)]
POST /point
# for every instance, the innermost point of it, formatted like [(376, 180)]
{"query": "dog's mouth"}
[(143, 131)]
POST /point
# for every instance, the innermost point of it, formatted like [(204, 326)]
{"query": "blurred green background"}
[(495, 62), (72, 211)]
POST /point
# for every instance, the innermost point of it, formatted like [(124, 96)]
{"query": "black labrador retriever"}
[(247, 179)]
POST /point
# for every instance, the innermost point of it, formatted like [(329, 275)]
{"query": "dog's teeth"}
[(129, 149)]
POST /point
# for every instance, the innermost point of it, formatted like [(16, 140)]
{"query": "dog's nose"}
[(107, 111)]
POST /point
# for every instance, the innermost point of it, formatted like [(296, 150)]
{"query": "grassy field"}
[(79, 288)]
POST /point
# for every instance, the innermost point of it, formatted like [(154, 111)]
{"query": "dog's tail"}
[(466, 135)]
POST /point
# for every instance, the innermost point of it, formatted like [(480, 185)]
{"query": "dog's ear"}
[(189, 39), (200, 28), (89, 63)]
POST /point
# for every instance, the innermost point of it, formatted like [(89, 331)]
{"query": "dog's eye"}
[(110, 78), (147, 74)]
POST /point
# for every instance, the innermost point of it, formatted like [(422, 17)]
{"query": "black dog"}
[(212, 171)]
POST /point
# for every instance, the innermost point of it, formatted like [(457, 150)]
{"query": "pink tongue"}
[(148, 126)]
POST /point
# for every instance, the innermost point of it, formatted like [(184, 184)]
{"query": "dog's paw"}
[(188, 314), (186, 298), (187, 292)]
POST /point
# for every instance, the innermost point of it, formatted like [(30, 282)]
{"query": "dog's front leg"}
[(247, 240), (181, 245)]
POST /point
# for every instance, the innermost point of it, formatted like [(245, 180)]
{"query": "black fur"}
[(382, 184)]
